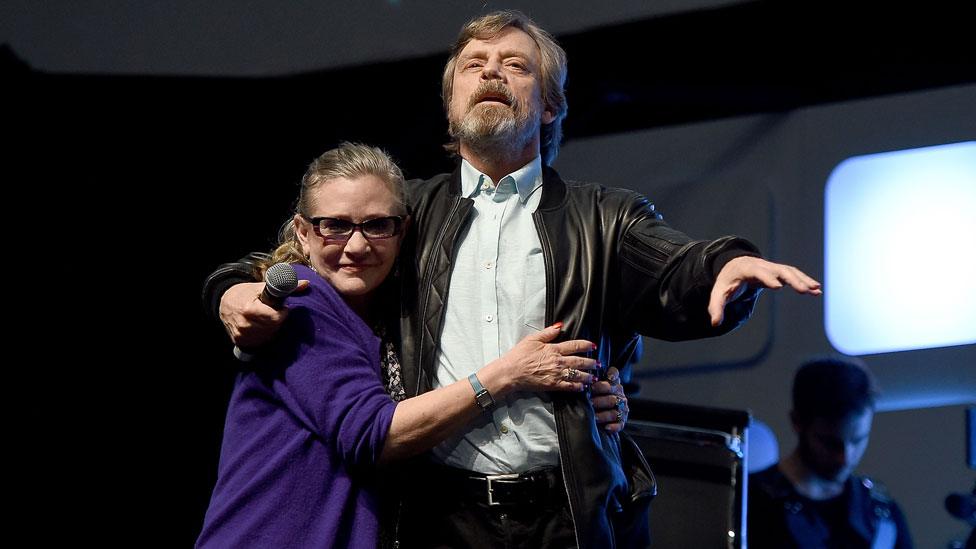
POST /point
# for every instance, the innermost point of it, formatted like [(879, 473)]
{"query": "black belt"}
[(535, 486)]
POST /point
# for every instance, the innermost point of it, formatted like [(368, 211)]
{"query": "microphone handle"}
[(273, 301)]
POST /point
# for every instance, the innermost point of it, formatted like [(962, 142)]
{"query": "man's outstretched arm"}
[(746, 273), (230, 294)]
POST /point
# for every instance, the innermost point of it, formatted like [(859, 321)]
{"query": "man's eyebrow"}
[(506, 54), (474, 54)]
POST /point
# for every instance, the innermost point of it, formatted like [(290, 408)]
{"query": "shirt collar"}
[(527, 179)]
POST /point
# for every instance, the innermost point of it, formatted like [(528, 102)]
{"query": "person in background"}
[(812, 498)]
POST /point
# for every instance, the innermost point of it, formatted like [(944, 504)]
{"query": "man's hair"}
[(349, 161), (832, 388), (552, 69)]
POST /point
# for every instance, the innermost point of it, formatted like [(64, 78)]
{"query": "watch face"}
[(484, 399)]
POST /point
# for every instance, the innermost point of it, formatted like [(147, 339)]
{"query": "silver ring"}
[(620, 414), (571, 374), (620, 402)]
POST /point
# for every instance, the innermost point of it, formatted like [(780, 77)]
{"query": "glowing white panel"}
[(900, 246)]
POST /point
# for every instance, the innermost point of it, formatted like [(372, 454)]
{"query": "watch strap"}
[(481, 395)]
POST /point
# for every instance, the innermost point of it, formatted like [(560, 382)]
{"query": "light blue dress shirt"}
[(497, 297)]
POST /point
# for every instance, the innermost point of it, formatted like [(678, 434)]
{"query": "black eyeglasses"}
[(331, 228)]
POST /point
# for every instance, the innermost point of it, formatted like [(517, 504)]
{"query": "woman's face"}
[(358, 265)]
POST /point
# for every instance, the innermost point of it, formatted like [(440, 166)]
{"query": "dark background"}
[(125, 191)]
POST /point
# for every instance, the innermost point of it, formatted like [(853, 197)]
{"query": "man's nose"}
[(491, 71)]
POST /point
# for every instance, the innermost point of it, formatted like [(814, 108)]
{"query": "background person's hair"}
[(832, 388), (350, 161), (552, 69)]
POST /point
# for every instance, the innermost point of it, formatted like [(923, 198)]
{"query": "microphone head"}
[(280, 280)]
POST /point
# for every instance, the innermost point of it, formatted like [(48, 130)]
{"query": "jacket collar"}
[(779, 488), (553, 190)]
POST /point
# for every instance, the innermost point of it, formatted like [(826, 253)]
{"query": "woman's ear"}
[(302, 229)]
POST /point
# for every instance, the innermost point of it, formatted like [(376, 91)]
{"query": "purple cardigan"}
[(305, 428)]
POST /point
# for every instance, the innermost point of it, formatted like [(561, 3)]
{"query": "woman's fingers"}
[(574, 347), (579, 362)]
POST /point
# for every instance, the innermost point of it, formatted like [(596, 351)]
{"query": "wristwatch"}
[(481, 395)]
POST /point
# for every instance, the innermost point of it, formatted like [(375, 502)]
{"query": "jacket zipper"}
[(550, 282), (647, 250), (421, 367)]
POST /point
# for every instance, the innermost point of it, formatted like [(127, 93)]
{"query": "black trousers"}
[(435, 516)]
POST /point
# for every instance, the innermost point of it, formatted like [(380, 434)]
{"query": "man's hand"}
[(609, 402), (745, 272), (248, 321)]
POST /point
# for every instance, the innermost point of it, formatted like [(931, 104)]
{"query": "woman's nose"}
[(357, 243)]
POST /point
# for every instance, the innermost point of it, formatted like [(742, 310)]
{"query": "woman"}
[(308, 426)]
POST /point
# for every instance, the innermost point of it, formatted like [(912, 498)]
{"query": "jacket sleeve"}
[(331, 380), (667, 278), (227, 275)]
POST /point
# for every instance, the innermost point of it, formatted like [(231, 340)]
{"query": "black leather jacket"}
[(613, 269), (780, 518)]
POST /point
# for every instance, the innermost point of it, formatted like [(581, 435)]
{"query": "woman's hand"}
[(536, 364)]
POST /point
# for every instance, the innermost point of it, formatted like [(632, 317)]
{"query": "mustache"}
[(493, 88)]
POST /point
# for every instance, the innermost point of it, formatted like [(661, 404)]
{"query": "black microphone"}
[(962, 506), (280, 280)]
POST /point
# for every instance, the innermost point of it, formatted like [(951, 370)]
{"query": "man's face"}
[(496, 95), (833, 449)]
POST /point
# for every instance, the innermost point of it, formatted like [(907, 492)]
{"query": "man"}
[(502, 248), (812, 498)]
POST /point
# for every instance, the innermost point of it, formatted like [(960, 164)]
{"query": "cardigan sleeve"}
[(329, 375)]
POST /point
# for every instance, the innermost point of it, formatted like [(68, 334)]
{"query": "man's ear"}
[(548, 116)]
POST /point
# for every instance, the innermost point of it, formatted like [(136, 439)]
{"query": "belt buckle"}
[(490, 479)]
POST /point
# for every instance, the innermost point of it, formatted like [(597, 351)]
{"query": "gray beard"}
[(493, 132)]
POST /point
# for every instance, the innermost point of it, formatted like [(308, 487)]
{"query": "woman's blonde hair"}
[(350, 161)]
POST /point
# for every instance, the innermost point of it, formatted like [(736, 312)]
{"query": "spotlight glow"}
[(900, 250)]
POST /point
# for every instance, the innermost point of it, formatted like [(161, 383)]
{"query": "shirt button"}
[(488, 318), (488, 265), (503, 429)]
